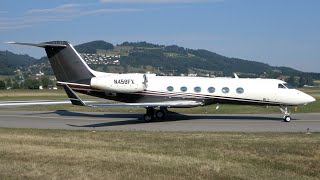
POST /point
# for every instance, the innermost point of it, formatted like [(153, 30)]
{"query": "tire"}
[(160, 114), (287, 119), (147, 118)]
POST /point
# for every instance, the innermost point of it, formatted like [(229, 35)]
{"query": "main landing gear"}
[(286, 112), (153, 114)]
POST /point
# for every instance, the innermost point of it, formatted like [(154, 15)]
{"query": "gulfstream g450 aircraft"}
[(157, 93)]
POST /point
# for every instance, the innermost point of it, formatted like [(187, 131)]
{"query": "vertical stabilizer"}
[(67, 64)]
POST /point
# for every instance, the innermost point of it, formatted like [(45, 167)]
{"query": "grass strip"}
[(61, 154)]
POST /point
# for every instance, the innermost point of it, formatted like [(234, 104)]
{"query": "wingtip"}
[(236, 76), (9, 42)]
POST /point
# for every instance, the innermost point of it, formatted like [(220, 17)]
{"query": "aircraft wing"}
[(152, 104), (75, 100), (35, 102)]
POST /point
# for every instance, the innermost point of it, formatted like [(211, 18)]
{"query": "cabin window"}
[(183, 89), (281, 86), (211, 89), (240, 90), (225, 90), (197, 89), (170, 88)]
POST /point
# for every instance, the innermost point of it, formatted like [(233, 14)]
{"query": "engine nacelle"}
[(121, 83)]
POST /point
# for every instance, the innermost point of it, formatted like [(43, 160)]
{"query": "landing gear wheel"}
[(287, 119), (286, 112), (160, 114), (147, 118)]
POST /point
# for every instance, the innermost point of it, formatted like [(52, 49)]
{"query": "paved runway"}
[(132, 122)]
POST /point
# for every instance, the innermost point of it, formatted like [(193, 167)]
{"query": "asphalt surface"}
[(62, 119)]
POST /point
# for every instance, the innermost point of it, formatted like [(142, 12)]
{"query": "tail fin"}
[(67, 64)]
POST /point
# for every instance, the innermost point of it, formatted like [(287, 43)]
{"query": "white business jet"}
[(157, 93)]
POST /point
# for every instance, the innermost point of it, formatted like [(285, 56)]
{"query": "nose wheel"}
[(287, 118), (286, 112)]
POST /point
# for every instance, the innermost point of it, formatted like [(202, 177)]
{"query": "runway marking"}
[(173, 121)]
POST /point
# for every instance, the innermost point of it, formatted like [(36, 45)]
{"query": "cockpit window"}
[(289, 86), (281, 86), (285, 86)]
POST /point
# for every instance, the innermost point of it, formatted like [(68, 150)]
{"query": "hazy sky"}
[(277, 32)]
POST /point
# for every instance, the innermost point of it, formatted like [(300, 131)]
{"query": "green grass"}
[(24, 94), (60, 154)]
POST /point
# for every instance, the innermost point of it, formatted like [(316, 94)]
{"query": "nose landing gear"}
[(286, 112)]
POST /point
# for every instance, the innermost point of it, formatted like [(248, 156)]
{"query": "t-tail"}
[(67, 64)]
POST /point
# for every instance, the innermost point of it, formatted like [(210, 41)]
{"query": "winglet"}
[(74, 98), (236, 76)]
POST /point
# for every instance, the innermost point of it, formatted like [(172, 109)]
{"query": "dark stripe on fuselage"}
[(188, 95), (155, 96)]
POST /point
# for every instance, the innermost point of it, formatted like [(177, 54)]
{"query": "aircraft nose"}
[(311, 99), (303, 98), (308, 99)]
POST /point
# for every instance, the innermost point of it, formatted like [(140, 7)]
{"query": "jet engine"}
[(121, 83)]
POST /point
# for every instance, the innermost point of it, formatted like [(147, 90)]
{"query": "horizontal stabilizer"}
[(43, 45)]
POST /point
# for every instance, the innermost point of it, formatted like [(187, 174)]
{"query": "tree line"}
[(29, 83)]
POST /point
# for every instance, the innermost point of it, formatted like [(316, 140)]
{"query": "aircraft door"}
[(145, 81)]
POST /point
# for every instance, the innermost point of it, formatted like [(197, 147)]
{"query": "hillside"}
[(181, 60), (163, 60), (92, 47), (9, 62)]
